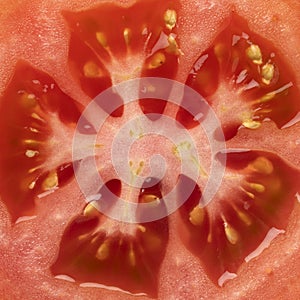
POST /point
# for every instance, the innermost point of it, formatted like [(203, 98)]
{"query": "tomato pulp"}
[(242, 59)]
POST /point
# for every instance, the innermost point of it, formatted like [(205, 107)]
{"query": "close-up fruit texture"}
[(149, 149)]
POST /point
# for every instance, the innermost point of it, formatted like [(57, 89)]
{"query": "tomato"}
[(241, 59)]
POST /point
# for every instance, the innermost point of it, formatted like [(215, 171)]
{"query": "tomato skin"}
[(27, 254)]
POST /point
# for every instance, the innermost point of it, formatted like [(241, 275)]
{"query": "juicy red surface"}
[(76, 256), (79, 257), (17, 125), (225, 61), (148, 36), (264, 210)]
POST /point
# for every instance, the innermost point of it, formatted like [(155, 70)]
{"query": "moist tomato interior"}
[(235, 66)]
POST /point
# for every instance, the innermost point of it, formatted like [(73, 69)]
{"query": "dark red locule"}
[(96, 249), (141, 39), (244, 80), (31, 99), (227, 230)]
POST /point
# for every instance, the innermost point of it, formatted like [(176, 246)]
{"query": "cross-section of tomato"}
[(98, 250), (257, 194), (36, 118), (112, 41), (244, 79)]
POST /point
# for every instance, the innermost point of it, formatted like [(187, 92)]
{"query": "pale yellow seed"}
[(140, 168), (249, 194), (131, 256), (32, 170), (267, 97), (50, 182), (173, 46), (197, 216), (257, 187), (170, 18), (91, 70), (142, 228), (209, 237), (37, 117), (157, 60), (220, 51), (28, 100), (31, 153), (103, 251), (262, 165), (254, 53), (32, 185), (267, 73), (251, 124), (32, 143), (89, 209), (231, 234), (148, 198), (101, 38), (127, 35), (242, 215), (245, 218), (32, 129), (83, 236)]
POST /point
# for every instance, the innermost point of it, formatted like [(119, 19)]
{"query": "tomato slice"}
[(257, 196), (99, 258), (98, 250), (244, 80), (29, 107)]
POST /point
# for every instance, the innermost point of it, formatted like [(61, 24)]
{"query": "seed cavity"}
[(267, 73), (170, 18), (254, 53), (91, 70), (157, 60), (262, 165), (197, 216)]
